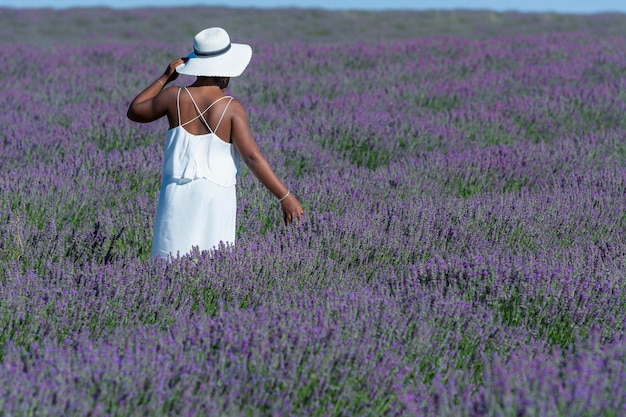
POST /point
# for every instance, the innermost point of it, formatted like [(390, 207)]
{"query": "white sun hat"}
[(214, 55)]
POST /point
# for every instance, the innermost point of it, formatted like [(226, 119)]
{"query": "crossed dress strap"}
[(201, 113)]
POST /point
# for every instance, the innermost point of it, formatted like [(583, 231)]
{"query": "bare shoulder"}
[(170, 92), (166, 97), (237, 108), (241, 132), (169, 98)]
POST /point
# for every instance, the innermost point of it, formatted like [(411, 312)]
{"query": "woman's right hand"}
[(292, 211)]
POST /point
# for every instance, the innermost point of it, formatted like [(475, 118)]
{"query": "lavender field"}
[(463, 176)]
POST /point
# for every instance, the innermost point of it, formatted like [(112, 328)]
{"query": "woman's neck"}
[(205, 82)]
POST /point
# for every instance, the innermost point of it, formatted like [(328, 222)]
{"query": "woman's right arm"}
[(244, 142)]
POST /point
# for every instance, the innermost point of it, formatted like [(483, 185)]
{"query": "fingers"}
[(291, 217), (176, 63), (292, 211)]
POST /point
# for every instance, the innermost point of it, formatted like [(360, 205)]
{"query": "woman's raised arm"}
[(150, 105)]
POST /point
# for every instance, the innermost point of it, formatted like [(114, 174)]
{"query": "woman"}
[(208, 134)]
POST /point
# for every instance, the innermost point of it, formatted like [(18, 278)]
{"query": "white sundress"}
[(197, 202)]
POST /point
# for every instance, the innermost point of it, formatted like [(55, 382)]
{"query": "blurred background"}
[(559, 6)]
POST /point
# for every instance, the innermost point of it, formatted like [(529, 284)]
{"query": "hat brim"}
[(230, 64)]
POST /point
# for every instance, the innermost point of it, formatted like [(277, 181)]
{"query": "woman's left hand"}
[(170, 71)]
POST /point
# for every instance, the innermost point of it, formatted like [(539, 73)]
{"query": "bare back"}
[(198, 105)]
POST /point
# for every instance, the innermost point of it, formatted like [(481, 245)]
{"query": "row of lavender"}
[(463, 252), (89, 26)]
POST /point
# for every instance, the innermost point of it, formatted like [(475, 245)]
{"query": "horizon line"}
[(325, 8)]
